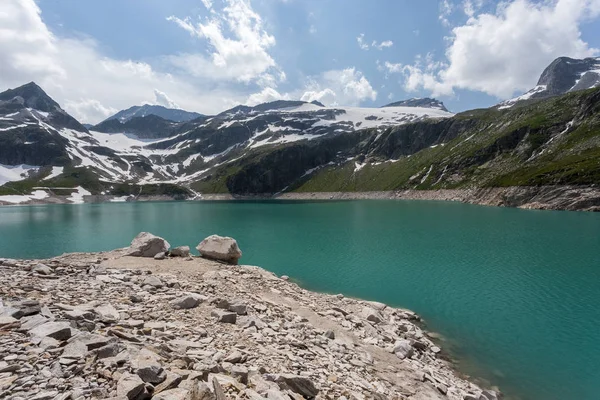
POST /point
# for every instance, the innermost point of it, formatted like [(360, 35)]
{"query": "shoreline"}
[(349, 347), (563, 198)]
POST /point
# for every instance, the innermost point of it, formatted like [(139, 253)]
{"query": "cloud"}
[(239, 45), (446, 8), (360, 39), (363, 45), (266, 95), (382, 45), (505, 51), (340, 87), (162, 99), (90, 85)]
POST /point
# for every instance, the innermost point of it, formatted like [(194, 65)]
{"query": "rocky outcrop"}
[(220, 248), (147, 245), (104, 326)]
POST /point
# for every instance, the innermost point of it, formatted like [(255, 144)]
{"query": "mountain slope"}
[(170, 114), (552, 142), (147, 127), (563, 75)]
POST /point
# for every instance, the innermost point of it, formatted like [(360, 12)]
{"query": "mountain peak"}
[(426, 102), (563, 75), (170, 114), (31, 96)]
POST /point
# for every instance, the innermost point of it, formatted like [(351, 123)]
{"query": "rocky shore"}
[(174, 326), (568, 198)]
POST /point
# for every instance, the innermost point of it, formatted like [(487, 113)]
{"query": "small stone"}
[(181, 251), (173, 394), (329, 335), (148, 367), (160, 256), (224, 316), (186, 302), (42, 269), (441, 388), (239, 372), (79, 314), (152, 280), (238, 307), (107, 313), (6, 320), (403, 349), (297, 384), (171, 381), (234, 357), (372, 315)]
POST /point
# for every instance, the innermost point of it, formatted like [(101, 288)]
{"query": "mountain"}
[(296, 146), (160, 111), (425, 103), (563, 75), (151, 153), (147, 127)]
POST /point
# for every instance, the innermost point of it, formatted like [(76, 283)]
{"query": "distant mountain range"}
[(169, 114), (549, 139)]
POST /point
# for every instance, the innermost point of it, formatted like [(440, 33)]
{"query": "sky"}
[(96, 57)]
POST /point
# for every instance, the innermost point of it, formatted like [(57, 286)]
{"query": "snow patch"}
[(77, 197), (13, 173), (56, 171)]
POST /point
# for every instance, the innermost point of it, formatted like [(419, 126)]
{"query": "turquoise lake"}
[(515, 293)]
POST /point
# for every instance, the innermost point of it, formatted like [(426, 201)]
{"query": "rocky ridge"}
[(109, 326)]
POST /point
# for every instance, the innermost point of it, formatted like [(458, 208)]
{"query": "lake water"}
[(515, 293)]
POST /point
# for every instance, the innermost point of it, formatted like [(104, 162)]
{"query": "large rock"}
[(403, 349), (148, 367), (224, 316), (131, 387), (147, 245), (220, 248), (297, 384), (55, 330)]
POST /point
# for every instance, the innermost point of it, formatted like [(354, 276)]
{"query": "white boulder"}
[(220, 248), (147, 245)]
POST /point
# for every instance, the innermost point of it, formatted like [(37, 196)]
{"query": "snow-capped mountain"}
[(40, 142), (562, 76), (170, 114), (423, 103)]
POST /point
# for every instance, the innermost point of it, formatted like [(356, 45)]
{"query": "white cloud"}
[(239, 45), (266, 95), (162, 99), (91, 109), (505, 51), (446, 8), (90, 85), (340, 87), (363, 45), (360, 39), (382, 45)]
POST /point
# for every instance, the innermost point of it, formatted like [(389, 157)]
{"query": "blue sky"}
[(98, 56)]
